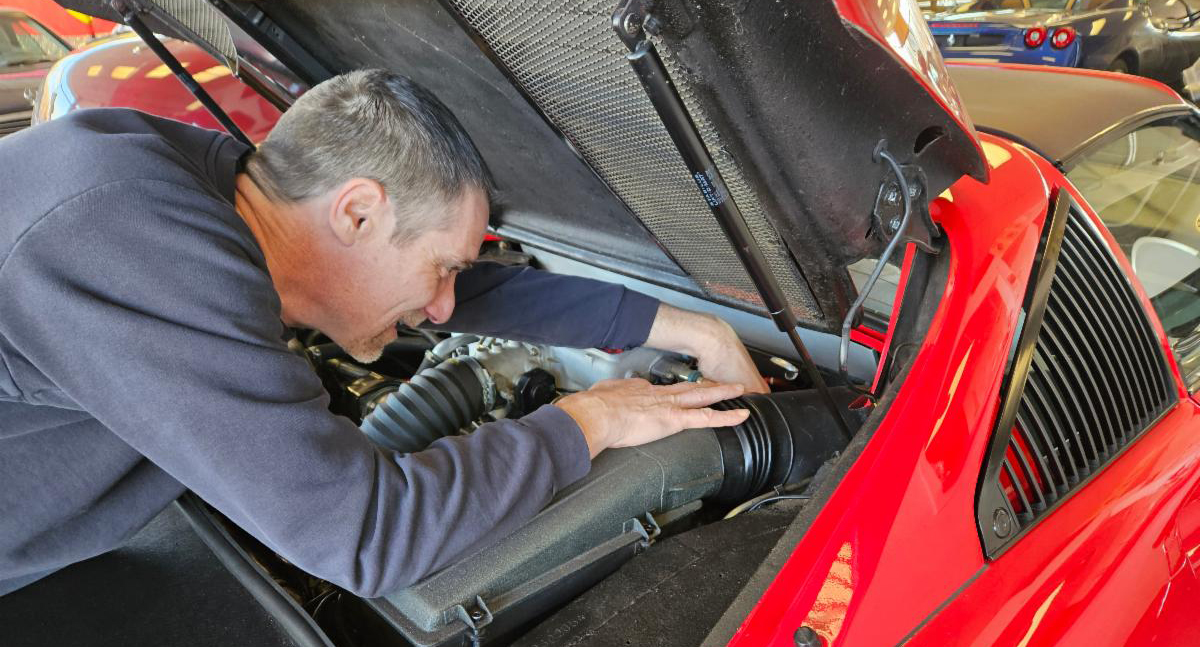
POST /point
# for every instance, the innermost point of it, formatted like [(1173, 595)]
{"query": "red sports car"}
[(120, 71), (1011, 457)]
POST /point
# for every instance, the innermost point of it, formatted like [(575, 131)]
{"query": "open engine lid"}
[(790, 98)]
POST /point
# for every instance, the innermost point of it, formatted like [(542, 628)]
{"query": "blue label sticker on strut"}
[(714, 193)]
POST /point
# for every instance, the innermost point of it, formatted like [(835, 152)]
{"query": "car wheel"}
[(1119, 65)]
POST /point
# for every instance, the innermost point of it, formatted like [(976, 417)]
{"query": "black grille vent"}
[(1096, 379)]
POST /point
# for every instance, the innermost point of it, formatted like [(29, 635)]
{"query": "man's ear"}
[(359, 210)]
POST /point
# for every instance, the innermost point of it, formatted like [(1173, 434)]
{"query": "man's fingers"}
[(702, 395), (694, 418), (620, 382), (758, 385), (680, 387)]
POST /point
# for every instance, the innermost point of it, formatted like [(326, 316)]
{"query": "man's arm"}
[(719, 352), (164, 329), (526, 304), (169, 335)]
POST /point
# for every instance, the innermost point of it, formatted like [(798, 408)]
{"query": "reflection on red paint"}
[(829, 610)]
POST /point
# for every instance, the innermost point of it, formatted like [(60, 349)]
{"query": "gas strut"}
[(130, 14), (631, 21)]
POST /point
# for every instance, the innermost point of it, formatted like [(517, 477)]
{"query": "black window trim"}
[(1123, 128)]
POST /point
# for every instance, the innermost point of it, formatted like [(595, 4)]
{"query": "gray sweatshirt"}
[(142, 353)]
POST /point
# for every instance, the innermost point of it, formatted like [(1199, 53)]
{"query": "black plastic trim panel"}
[(298, 624)]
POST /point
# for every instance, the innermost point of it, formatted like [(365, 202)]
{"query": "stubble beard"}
[(368, 350)]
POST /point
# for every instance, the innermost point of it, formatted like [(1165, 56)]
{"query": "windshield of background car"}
[(1176, 9), (23, 41), (1001, 5), (1057, 5), (1145, 186)]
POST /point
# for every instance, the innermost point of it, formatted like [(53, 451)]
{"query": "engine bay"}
[(631, 499)]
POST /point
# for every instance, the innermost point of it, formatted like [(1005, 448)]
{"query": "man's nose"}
[(439, 310)]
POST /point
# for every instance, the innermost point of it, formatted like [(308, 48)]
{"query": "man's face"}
[(407, 282)]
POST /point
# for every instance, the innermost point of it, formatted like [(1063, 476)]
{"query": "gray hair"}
[(378, 125)]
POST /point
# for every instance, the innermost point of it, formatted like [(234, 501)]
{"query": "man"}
[(149, 272)]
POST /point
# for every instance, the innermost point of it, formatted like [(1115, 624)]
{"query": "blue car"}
[(1153, 38)]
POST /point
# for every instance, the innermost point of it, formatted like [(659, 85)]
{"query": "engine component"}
[(602, 521), (786, 438), (598, 523), (532, 390), (482, 373), (436, 402), (574, 369)]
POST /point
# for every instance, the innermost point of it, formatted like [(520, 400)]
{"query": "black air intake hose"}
[(436, 402), (787, 437)]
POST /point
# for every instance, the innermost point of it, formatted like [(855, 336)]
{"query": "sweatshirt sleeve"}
[(144, 304), (526, 304)]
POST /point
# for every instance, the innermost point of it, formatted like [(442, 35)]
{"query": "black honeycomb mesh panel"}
[(569, 62), (207, 23)]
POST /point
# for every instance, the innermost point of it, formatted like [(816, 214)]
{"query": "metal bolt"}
[(914, 190), (1002, 523), (894, 225), (652, 24), (806, 637), (476, 615), (893, 195), (633, 23)]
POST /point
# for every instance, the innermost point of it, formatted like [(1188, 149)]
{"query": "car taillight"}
[(1034, 37), (1062, 37)]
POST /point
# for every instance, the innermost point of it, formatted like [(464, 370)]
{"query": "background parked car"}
[(27, 50), (1152, 38), (121, 72), (73, 27)]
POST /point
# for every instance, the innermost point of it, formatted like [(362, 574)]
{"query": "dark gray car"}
[(27, 50)]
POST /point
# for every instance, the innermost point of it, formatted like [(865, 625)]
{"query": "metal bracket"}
[(646, 525), (476, 615), (889, 211), (629, 21)]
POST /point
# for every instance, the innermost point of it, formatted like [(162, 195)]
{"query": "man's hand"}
[(716, 346), (624, 413)]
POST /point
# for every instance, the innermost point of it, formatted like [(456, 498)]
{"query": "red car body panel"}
[(1116, 564), (911, 492), (123, 72), (897, 539)]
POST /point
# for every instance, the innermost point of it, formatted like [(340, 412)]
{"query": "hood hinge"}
[(889, 211), (901, 216)]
